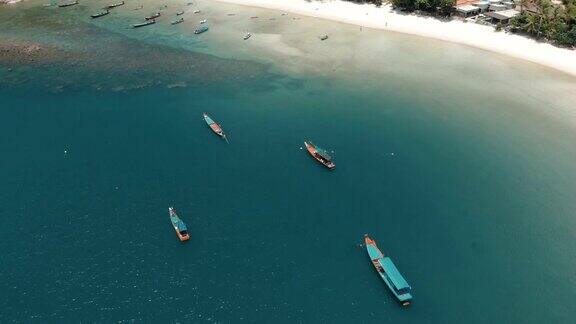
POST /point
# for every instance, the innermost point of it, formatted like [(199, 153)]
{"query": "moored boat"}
[(214, 126), (248, 35), (154, 16), (177, 21), (146, 23), (319, 155), (201, 29), (100, 14), (114, 5), (179, 225), (323, 37), (203, 21), (179, 13), (388, 272), (73, 3)]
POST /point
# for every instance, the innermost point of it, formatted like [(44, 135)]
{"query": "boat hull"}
[(175, 221), (375, 257), (98, 15), (214, 126), (112, 6), (314, 153), (68, 4), (148, 23), (153, 17)]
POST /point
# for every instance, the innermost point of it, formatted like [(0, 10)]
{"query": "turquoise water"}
[(464, 177)]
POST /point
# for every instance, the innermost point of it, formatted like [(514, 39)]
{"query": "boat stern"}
[(405, 299)]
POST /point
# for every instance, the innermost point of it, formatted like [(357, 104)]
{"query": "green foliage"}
[(376, 2), (552, 22), (441, 6)]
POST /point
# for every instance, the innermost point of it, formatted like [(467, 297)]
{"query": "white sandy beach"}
[(480, 36)]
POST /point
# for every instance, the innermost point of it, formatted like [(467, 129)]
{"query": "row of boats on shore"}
[(150, 20)]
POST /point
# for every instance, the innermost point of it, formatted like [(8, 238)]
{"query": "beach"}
[(457, 31)]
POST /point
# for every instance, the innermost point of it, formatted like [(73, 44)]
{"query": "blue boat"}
[(201, 30), (389, 273), (179, 225)]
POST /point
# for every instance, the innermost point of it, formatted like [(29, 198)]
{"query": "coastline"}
[(456, 31)]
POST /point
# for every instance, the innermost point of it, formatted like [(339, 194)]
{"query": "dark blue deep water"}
[(475, 206)]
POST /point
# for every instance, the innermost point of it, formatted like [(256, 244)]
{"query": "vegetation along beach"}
[(292, 161)]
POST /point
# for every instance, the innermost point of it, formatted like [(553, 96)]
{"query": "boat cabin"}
[(323, 154), (398, 282), (181, 227)]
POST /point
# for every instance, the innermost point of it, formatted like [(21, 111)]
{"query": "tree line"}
[(544, 20), (539, 18), (442, 7)]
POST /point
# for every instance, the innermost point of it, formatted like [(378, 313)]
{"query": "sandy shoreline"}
[(471, 34)]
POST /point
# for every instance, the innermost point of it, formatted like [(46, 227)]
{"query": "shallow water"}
[(459, 162)]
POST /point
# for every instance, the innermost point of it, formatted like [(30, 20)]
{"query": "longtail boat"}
[(177, 21), (154, 16), (179, 225), (201, 29), (388, 272), (320, 155), (214, 126), (68, 4), (146, 23), (114, 5), (100, 14)]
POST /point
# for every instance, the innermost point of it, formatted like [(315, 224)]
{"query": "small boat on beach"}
[(177, 21), (68, 4), (201, 29), (253, 17), (179, 13), (214, 126), (323, 37), (388, 272), (114, 5), (179, 225), (146, 23), (320, 155), (248, 35), (196, 11), (100, 14), (203, 21), (154, 16)]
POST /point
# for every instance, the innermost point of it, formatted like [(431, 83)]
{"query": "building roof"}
[(467, 8), (497, 7), (504, 14), (464, 2)]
